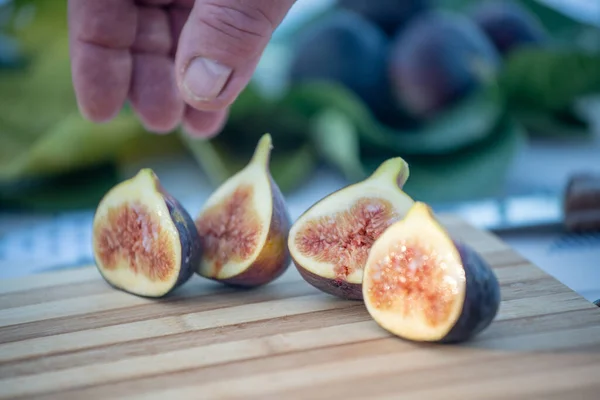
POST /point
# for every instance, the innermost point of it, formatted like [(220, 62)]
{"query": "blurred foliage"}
[(537, 79), (461, 152)]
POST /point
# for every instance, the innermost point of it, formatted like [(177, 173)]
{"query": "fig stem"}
[(396, 168), (262, 153)]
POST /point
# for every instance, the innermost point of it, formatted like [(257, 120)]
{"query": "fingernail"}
[(205, 79)]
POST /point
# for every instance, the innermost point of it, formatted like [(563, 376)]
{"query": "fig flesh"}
[(144, 241), (330, 241), (421, 285), (244, 226)]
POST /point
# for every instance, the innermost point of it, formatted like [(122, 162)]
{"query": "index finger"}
[(101, 33)]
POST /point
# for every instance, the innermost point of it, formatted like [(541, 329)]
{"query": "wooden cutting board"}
[(68, 335)]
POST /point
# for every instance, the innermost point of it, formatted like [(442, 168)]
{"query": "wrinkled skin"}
[(153, 53)]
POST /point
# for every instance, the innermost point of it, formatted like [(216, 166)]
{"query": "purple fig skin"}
[(509, 25), (190, 241), (338, 288), (347, 49), (389, 15), (482, 297), (440, 58)]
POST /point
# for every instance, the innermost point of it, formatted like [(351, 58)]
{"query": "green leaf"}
[(71, 144), (566, 124), (549, 80), (80, 189), (252, 114), (291, 168), (219, 162), (338, 143), (477, 171), (467, 122), (554, 20)]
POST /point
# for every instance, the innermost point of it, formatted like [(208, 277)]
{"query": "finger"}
[(154, 2), (177, 18), (178, 3), (204, 124), (101, 32), (219, 48), (154, 95), (153, 31)]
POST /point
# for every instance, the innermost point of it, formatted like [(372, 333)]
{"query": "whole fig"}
[(508, 25), (348, 49), (389, 15), (438, 59)]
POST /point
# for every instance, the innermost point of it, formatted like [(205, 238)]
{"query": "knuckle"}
[(240, 26)]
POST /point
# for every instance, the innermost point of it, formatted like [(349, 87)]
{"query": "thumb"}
[(220, 46)]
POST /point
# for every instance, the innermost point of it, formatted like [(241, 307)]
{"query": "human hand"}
[(176, 61)]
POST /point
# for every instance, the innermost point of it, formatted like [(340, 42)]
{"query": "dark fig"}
[(346, 49), (421, 285), (440, 58), (509, 25), (244, 226), (144, 241), (389, 15), (330, 241)]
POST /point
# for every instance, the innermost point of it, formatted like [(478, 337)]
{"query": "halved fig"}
[(421, 285), (244, 226), (330, 241), (144, 241)]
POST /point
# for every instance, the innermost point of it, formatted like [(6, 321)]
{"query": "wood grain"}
[(68, 335)]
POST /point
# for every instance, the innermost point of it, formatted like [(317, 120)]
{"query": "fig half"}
[(144, 241), (421, 285), (330, 241), (244, 226)]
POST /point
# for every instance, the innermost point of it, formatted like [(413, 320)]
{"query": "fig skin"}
[(188, 244), (440, 58), (389, 15), (335, 287), (476, 294), (482, 297), (509, 25), (346, 49), (191, 244), (273, 258), (389, 177)]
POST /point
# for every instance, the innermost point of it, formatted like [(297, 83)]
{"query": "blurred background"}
[(494, 104)]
